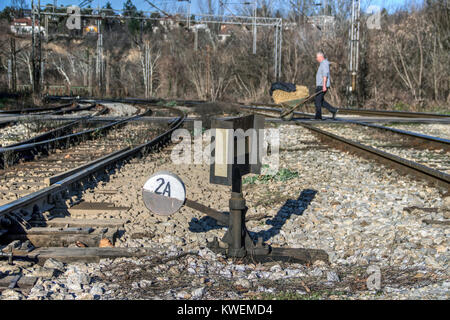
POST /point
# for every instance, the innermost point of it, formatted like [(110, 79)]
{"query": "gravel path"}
[(357, 210), (120, 109)]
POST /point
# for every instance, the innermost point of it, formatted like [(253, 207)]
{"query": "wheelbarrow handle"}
[(300, 103)]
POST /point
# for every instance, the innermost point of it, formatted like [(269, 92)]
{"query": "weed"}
[(282, 175)]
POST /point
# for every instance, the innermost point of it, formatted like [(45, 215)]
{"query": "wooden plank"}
[(25, 282), (62, 222), (55, 237), (28, 183), (437, 222), (58, 177), (68, 255), (18, 192), (106, 191), (95, 208)]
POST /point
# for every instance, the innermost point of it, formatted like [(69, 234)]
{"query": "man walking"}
[(322, 85)]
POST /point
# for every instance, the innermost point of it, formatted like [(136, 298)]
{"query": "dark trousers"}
[(320, 102)]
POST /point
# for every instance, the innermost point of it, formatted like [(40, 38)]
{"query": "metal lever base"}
[(239, 244)]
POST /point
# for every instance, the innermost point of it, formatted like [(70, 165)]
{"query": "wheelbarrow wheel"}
[(288, 117)]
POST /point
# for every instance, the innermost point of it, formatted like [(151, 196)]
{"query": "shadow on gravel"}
[(204, 224), (290, 207)]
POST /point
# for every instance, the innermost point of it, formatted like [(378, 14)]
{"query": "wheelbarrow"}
[(292, 105)]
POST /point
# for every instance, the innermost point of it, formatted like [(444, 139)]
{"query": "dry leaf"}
[(105, 243), (80, 244)]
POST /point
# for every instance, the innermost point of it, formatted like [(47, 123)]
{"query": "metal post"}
[(90, 74), (195, 39), (13, 65), (354, 45), (280, 47), (33, 40), (46, 27), (189, 15), (147, 70), (254, 25), (237, 209), (99, 67), (39, 82), (275, 54), (9, 75)]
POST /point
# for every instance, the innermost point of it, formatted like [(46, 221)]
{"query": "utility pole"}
[(99, 61), (36, 53), (12, 66), (147, 69), (255, 4), (195, 38), (189, 15), (354, 48)]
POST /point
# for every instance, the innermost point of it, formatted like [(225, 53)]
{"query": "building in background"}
[(23, 26)]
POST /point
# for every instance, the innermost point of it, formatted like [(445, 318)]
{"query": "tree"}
[(130, 10)]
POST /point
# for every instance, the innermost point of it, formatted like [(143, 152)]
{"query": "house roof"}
[(26, 20)]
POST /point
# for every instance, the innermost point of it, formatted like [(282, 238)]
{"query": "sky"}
[(391, 5)]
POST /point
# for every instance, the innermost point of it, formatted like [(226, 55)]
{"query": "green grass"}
[(289, 295), (282, 175), (167, 103)]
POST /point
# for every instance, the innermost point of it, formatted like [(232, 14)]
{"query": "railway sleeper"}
[(17, 282), (63, 237)]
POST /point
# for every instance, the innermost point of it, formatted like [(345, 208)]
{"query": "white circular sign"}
[(164, 193)]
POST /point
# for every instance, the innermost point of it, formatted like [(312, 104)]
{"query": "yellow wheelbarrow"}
[(291, 105)]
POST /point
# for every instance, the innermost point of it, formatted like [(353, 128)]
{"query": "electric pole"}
[(354, 49), (36, 54), (255, 4)]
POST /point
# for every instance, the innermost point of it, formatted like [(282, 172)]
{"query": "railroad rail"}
[(425, 141), (392, 113), (15, 115), (359, 112), (431, 141), (272, 111), (16, 216), (37, 109), (27, 151), (58, 132), (403, 165), (54, 110)]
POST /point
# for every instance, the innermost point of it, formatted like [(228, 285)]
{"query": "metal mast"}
[(255, 4), (36, 54), (354, 44)]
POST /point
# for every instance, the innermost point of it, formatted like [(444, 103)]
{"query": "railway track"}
[(37, 110), (275, 107), (391, 113), (30, 176), (270, 107), (51, 110), (34, 223), (11, 117), (26, 151), (414, 164), (424, 156), (59, 130), (37, 219)]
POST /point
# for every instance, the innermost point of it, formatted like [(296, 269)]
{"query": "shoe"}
[(318, 118), (334, 114)]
